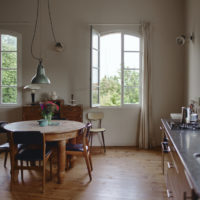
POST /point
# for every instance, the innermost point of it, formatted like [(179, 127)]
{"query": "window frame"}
[(132, 69), (18, 68), (123, 32), (92, 32)]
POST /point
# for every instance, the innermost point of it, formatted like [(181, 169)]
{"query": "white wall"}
[(70, 71), (193, 50)]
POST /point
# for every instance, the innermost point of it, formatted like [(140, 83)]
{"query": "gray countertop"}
[(187, 143)]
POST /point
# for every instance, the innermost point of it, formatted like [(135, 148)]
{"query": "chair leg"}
[(67, 162), (50, 159), (102, 135), (90, 160), (43, 176), (5, 158), (91, 137), (22, 174), (12, 174), (88, 166)]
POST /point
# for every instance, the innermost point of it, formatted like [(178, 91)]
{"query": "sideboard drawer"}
[(74, 113)]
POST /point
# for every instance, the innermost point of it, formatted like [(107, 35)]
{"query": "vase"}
[(49, 118)]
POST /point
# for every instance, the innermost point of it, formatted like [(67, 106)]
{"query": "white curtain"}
[(145, 114)]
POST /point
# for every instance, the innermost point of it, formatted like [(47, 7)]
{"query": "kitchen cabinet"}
[(178, 181)]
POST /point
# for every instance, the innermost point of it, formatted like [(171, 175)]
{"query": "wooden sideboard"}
[(68, 112)]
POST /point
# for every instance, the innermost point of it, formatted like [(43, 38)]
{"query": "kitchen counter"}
[(187, 143)]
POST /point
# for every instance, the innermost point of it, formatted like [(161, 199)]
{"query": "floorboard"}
[(120, 174)]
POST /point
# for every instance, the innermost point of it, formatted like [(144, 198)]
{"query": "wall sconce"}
[(181, 39), (32, 87)]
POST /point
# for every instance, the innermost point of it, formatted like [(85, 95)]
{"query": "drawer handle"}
[(169, 193), (160, 127), (170, 165)]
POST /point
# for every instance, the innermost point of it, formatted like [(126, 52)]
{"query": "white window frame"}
[(19, 69), (123, 32)]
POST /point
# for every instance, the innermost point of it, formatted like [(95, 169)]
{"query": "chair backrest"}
[(28, 137), (85, 133), (3, 132), (92, 116)]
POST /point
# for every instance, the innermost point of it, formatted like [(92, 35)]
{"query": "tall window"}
[(115, 69), (8, 68)]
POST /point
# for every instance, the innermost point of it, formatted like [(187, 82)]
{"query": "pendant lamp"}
[(40, 77)]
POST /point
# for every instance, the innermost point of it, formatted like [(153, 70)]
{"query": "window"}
[(115, 68), (9, 49)]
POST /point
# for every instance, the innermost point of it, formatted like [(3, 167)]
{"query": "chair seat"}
[(96, 130), (4, 147), (75, 147), (31, 154)]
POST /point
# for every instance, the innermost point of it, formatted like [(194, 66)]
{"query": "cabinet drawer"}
[(170, 183), (74, 113), (67, 108), (31, 113)]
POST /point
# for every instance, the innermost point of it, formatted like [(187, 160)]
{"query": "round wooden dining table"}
[(60, 131)]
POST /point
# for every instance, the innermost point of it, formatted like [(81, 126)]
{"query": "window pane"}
[(94, 58), (131, 78), (9, 77), (9, 59), (131, 60), (110, 76), (95, 42), (110, 56), (9, 95), (110, 91), (9, 43), (131, 95), (131, 43), (95, 77), (95, 95)]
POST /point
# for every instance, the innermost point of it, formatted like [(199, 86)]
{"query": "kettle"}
[(185, 115)]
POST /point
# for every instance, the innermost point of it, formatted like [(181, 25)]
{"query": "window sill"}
[(118, 107), (10, 105)]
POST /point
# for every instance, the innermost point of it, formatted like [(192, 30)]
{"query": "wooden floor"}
[(120, 174)]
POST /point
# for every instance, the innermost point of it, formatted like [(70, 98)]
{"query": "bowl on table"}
[(43, 122)]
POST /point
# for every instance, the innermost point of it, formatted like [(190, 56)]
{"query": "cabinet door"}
[(31, 112), (74, 113), (170, 183)]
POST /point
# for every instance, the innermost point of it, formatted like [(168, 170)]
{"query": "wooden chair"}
[(96, 118), (4, 147), (81, 150), (34, 149)]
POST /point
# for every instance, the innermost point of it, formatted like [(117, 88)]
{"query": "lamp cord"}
[(34, 32), (51, 23)]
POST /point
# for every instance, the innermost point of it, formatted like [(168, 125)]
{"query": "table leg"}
[(61, 160)]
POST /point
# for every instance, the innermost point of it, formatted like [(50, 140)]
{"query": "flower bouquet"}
[(48, 108)]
